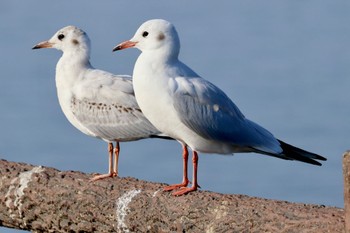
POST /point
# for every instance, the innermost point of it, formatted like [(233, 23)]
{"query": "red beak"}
[(44, 44), (124, 45)]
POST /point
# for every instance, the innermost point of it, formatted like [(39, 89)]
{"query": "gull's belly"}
[(157, 106), (64, 98)]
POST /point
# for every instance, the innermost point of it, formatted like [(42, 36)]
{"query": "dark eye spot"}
[(60, 36), (161, 36), (74, 41), (145, 34)]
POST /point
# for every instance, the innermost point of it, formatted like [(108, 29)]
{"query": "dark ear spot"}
[(74, 41), (161, 36)]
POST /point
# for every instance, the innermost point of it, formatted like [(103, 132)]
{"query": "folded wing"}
[(105, 104)]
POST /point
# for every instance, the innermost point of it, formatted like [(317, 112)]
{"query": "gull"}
[(97, 103), (192, 110)]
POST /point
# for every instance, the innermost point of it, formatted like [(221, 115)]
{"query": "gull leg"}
[(185, 180), (110, 165), (116, 159), (195, 186)]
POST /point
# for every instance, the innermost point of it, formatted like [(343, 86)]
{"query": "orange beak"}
[(124, 45), (44, 44)]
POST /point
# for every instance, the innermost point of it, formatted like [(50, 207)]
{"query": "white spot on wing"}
[(122, 209), (216, 107), (17, 189)]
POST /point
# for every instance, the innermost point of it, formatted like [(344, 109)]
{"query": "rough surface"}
[(42, 199)]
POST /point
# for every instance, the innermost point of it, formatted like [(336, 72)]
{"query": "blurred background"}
[(286, 64)]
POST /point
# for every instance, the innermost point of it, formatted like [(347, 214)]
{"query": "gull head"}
[(156, 35), (67, 39)]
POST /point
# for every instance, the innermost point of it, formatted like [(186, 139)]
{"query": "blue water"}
[(286, 64)]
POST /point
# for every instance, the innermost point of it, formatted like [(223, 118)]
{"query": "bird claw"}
[(184, 190), (176, 186), (103, 176)]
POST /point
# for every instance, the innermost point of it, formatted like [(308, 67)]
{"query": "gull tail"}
[(161, 136), (295, 153), (290, 152)]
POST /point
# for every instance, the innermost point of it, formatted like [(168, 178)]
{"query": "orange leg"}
[(111, 171), (195, 186), (116, 152), (185, 180)]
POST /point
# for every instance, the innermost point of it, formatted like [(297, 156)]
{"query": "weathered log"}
[(346, 174), (42, 199)]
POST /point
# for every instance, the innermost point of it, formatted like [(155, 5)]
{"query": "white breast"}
[(154, 98), (65, 87)]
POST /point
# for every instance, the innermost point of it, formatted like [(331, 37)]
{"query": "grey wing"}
[(207, 110), (107, 107), (112, 121)]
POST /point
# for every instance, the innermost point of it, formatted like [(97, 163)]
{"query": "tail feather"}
[(290, 152), (294, 153), (162, 136)]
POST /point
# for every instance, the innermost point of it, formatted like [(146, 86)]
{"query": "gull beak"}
[(124, 45), (44, 44)]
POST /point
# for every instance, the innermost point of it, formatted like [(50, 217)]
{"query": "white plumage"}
[(191, 109), (98, 103)]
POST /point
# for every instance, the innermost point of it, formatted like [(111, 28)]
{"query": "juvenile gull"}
[(192, 110), (98, 103)]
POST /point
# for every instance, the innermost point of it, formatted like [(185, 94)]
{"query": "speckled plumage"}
[(98, 103)]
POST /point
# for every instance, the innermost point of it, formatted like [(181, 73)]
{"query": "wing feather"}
[(105, 104), (207, 110)]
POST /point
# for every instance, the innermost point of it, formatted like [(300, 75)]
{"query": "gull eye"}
[(60, 36), (145, 34)]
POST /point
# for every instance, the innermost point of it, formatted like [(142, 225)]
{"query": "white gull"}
[(192, 110), (98, 103)]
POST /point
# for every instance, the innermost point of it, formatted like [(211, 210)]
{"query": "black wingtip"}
[(161, 137), (296, 153)]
